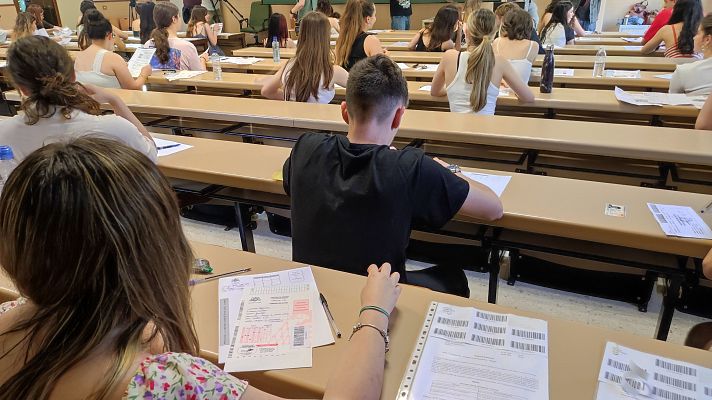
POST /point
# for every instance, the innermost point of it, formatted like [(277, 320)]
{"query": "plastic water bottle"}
[(275, 49), (217, 68), (7, 164), (547, 71), (599, 66)]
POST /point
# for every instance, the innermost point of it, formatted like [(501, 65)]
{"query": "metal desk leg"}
[(668, 309), (494, 259), (242, 215)]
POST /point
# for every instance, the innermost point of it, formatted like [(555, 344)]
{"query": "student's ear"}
[(344, 112), (395, 124)]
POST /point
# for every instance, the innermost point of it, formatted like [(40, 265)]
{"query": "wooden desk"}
[(613, 34), (591, 50), (604, 41)]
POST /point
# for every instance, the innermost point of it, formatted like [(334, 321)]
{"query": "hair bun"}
[(51, 84), (94, 15)]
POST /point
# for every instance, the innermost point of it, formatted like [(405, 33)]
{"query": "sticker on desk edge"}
[(614, 210), (277, 176)]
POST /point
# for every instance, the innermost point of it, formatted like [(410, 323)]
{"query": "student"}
[(172, 52), (502, 10), (556, 30), (198, 27), (443, 34), (123, 330), (84, 6), (470, 79), (277, 27), (25, 26), (573, 28), (401, 10), (704, 122), (83, 41), (587, 14), (145, 12), (514, 44), (188, 8), (324, 7), (678, 35), (302, 8), (530, 7), (359, 189), (696, 78), (98, 65), (55, 105), (660, 20), (38, 12), (354, 43), (309, 76)]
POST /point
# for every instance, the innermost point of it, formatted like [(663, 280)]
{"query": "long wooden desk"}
[(586, 49), (573, 367)]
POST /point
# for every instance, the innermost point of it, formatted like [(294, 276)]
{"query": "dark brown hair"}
[(197, 15), (313, 64), (95, 27), (112, 282), (441, 29), (375, 87), (38, 12), (163, 14), (517, 24), (45, 72), (505, 8)]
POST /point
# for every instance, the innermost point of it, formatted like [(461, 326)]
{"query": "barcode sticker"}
[(708, 391), (491, 317), (487, 340), (449, 334), (667, 395), (528, 334), (637, 385), (678, 383), (490, 328), (225, 322), (680, 369), (661, 218), (234, 342), (299, 336), (655, 208), (528, 347), (456, 323), (618, 365)]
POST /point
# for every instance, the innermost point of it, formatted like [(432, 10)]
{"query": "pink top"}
[(182, 56), (673, 51)]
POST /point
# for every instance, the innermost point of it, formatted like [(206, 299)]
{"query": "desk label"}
[(614, 210)]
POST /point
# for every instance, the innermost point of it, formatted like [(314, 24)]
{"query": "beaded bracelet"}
[(374, 308)]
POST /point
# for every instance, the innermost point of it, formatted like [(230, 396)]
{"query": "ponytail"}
[(480, 63), (351, 25), (163, 14), (160, 41)]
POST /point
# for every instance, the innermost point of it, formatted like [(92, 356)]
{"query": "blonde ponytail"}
[(480, 63)]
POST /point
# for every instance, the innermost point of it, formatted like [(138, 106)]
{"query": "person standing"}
[(587, 14), (401, 10), (188, 8), (302, 8)]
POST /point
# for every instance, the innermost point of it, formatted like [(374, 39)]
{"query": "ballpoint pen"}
[(707, 207), (197, 281), (170, 146), (329, 316)]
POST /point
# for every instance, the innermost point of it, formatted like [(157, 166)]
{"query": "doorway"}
[(51, 12)]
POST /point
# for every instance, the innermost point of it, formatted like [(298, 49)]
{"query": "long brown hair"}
[(480, 63), (441, 29), (38, 12), (123, 272), (25, 25), (351, 25), (163, 14), (197, 15), (312, 65), (45, 71)]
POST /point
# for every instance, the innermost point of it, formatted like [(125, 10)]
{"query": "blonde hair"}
[(480, 63), (472, 6), (23, 25), (351, 25), (312, 65)]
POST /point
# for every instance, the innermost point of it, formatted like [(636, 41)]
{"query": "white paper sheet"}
[(230, 291), (240, 60), (664, 76), (3, 63), (273, 329), (616, 73), (588, 39), (468, 351), (426, 67), (183, 74), (425, 88), (403, 66), (634, 40), (680, 221), (652, 98), (698, 101), (634, 48), (495, 182), (400, 44), (628, 374), (134, 45), (168, 147), (557, 72), (140, 58)]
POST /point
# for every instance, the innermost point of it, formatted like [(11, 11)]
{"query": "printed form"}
[(140, 58), (474, 354), (680, 221)]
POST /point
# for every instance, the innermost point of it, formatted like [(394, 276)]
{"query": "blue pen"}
[(170, 146)]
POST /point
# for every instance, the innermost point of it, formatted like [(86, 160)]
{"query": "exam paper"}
[(273, 329), (426, 67), (469, 351), (652, 98), (139, 59), (628, 374), (495, 182), (134, 45), (588, 39), (616, 73), (183, 74), (403, 66), (557, 71), (425, 88), (680, 221), (168, 147), (632, 40), (230, 291), (664, 76), (635, 48), (240, 60)]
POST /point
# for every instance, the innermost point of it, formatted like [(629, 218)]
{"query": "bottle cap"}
[(6, 153)]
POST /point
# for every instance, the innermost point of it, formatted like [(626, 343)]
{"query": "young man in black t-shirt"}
[(401, 10), (354, 198)]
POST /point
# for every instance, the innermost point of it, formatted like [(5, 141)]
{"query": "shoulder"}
[(313, 140), (371, 39), (114, 58), (180, 375), (450, 56), (111, 125)]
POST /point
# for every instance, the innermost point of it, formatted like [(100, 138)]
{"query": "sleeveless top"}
[(522, 66), (673, 52), (556, 36), (458, 92), (212, 48), (95, 76), (358, 53), (325, 95), (420, 46)]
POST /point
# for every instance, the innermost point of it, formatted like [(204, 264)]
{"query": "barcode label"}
[(661, 218), (678, 383), (234, 342), (490, 328), (528, 334), (456, 323), (680, 369), (528, 347), (487, 340), (491, 317), (618, 365), (655, 209), (637, 385), (225, 322), (664, 394), (299, 336), (450, 334), (613, 377), (708, 391)]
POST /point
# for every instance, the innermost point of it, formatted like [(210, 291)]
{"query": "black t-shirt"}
[(398, 10), (354, 204), (570, 34), (358, 52)]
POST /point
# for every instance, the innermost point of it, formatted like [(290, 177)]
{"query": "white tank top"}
[(325, 95), (523, 66), (458, 92), (95, 76), (556, 36)]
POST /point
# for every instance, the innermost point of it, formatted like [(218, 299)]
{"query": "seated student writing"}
[(198, 27), (172, 52), (97, 64), (38, 12), (556, 27), (513, 42), (324, 7), (55, 106), (470, 79), (696, 78), (356, 198), (506, 8), (678, 35), (96, 322), (443, 34), (277, 28), (354, 43), (310, 75)]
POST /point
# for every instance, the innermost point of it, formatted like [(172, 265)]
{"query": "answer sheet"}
[(680, 221), (140, 58), (473, 354), (615, 73), (183, 74), (652, 98), (240, 60), (495, 182), (557, 72), (628, 374), (168, 147), (273, 329)]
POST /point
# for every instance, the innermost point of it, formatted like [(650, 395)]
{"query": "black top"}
[(420, 46), (47, 25), (355, 204), (570, 34), (357, 51), (397, 10)]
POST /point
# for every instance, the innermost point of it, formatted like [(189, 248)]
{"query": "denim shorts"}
[(400, 22)]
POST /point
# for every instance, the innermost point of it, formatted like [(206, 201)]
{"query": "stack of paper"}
[(653, 98), (240, 60), (183, 75), (680, 221), (140, 59), (615, 73), (634, 48)]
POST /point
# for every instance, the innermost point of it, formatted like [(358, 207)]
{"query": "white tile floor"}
[(590, 310)]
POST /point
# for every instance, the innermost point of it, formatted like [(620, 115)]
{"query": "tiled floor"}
[(586, 309)]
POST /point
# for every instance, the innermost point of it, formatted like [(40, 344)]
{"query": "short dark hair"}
[(375, 87), (517, 24)]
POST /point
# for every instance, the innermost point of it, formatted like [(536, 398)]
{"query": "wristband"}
[(383, 334), (374, 308)]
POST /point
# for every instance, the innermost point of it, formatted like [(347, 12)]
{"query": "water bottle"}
[(547, 71), (599, 66), (217, 68), (275, 49), (7, 164)]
